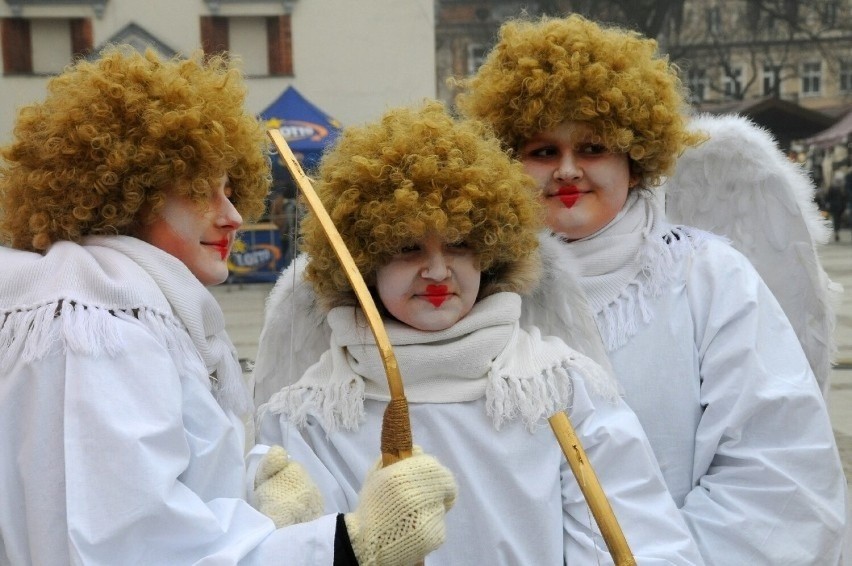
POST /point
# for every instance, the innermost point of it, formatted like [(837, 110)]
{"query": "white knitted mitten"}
[(400, 517), (284, 492)]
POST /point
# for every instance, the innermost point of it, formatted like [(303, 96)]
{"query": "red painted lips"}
[(436, 294), (222, 247), (568, 195)]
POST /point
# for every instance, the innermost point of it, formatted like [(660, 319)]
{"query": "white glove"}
[(284, 492), (400, 517)]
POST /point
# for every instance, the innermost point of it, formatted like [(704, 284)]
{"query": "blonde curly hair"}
[(387, 184), (542, 73), (98, 155)]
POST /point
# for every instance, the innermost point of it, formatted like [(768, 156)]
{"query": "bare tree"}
[(751, 47), (732, 49), (648, 17), (743, 47)]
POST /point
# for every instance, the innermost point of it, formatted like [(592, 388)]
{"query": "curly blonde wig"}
[(545, 72), (113, 135), (389, 183)]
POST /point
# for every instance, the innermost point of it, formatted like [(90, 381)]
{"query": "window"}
[(829, 17), (846, 76), (733, 83), (696, 80), (263, 42), (475, 56), (714, 21), (811, 78), (771, 79), (40, 46)]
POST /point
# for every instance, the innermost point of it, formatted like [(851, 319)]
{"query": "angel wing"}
[(294, 333), (740, 184)]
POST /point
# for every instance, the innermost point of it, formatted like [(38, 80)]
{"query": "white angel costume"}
[(710, 364), (704, 353), (479, 393), (738, 184), (117, 445)]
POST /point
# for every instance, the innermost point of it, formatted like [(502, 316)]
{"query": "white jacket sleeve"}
[(625, 465), (153, 469), (769, 486)]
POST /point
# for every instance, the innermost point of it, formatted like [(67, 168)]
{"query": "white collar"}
[(625, 265), (110, 275), (486, 354)]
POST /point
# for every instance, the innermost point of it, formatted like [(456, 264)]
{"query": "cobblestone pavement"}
[(844, 444), (837, 260)]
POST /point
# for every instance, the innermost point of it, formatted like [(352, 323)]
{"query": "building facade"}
[(728, 50), (732, 50), (352, 59)]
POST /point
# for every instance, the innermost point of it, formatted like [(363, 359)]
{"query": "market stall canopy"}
[(785, 120), (307, 129), (833, 135)]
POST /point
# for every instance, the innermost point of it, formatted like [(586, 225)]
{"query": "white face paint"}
[(199, 235), (430, 285), (584, 185)]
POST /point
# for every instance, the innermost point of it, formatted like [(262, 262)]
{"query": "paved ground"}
[(837, 260), (243, 306)]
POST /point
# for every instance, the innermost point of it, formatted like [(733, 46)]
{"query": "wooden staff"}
[(592, 490), (396, 442)]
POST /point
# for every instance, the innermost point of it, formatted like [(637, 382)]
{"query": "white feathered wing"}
[(739, 184), (294, 334)]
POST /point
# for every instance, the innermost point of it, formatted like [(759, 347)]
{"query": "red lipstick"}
[(223, 247), (436, 294), (568, 195)]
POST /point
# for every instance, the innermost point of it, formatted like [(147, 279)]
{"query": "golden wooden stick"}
[(396, 440), (592, 490)]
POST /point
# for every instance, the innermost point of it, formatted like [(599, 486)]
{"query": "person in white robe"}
[(700, 347), (443, 228), (122, 401)]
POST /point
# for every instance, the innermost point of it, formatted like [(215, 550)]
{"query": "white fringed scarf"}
[(71, 296), (627, 263), (520, 374)]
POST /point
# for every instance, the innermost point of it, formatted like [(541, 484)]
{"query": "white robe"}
[(113, 448), (720, 402), (518, 502), (733, 412)]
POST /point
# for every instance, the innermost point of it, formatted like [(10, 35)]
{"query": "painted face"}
[(430, 285), (197, 234), (584, 185)]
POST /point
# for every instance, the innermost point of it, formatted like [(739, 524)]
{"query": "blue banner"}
[(256, 255)]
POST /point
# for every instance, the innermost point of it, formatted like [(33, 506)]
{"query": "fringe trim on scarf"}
[(517, 373), (338, 406), (621, 319), (507, 397), (532, 399), (32, 334)]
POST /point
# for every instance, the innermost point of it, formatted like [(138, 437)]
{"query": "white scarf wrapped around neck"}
[(627, 263), (71, 296), (486, 353)]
